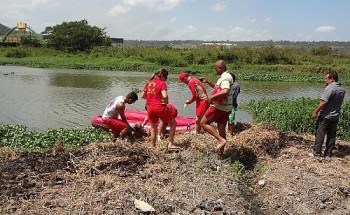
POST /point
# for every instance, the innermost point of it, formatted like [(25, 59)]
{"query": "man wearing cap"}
[(219, 112), (199, 94)]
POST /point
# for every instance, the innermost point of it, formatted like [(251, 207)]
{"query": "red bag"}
[(220, 99)]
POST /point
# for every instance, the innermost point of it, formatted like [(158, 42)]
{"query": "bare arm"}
[(220, 93), (193, 92), (165, 98), (205, 80), (143, 95), (121, 110), (319, 107)]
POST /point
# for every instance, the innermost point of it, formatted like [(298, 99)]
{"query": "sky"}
[(208, 20)]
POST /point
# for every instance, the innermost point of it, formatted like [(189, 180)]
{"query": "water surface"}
[(55, 98)]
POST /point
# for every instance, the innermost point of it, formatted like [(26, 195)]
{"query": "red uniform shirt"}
[(154, 91)]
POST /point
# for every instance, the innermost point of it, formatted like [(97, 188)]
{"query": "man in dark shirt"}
[(236, 89)]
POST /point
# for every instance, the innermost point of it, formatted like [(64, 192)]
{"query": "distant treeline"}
[(337, 46)]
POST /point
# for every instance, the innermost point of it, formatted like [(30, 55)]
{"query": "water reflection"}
[(80, 81), (49, 98)]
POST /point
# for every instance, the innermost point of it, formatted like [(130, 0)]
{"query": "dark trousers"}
[(325, 127)]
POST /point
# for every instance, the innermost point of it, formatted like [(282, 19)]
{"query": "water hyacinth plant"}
[(18, 136)]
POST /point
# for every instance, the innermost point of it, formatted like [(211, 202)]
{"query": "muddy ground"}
[(262, 171)]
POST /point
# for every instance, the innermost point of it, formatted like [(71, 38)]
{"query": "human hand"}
[(203, 80)]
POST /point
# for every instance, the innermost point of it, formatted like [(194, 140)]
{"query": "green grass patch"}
[(18, 136), (294, 115), (262, 64)]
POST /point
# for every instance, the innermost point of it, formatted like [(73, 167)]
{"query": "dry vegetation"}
[(277, 177)]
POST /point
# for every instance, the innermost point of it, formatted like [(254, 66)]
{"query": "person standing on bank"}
[(236, 89), (327, 114), (162, 131), (114, 116), (219, 112), (156, 94), (199, 94)]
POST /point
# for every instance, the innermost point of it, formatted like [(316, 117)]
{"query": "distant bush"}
[(321, 50), (16, 53), (30, 41)]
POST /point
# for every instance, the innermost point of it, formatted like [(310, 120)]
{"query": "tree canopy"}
[(75, 36)]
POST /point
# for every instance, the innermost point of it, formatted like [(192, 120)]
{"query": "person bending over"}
[(114, 115), (199, 94)]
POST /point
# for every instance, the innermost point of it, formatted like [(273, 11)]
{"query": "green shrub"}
[(16, 53), (294, 115)]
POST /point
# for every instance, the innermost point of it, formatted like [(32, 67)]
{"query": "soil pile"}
[(262, 171)]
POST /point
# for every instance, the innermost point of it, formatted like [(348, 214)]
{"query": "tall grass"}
[(294, 115), (269, 58)]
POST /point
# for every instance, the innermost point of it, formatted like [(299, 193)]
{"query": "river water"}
[(54, 98)]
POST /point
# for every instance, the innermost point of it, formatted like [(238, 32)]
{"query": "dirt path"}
[(263, 171)]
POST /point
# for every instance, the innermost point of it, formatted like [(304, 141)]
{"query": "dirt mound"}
[(106, 178)]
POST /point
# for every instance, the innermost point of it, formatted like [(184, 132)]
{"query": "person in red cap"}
[(156, 94), (219, 112), (199, 94)]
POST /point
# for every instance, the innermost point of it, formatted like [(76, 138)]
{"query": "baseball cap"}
[(182, 76)]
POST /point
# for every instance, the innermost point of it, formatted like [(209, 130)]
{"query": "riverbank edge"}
[(287, 73)]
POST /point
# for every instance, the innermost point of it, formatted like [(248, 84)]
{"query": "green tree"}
[(29, 40), (75, 36), (321, 50)]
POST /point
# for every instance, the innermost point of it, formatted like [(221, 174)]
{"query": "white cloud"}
[(325, 29), (237, 30), (218, 7), (118, 9), (252, 20), (268, 20), (173, 19), (189, 31), (161, 5), (39, 2)]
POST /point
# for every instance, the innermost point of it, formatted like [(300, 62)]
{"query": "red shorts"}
[(172, 109), (116, 125), (218, 116), (201, 107), (159, 112)]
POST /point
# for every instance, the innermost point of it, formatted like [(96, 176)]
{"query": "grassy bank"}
[(295, 115), (262, 64)]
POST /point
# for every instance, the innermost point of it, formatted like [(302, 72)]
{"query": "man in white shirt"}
[(114, 116), (219, 112)]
